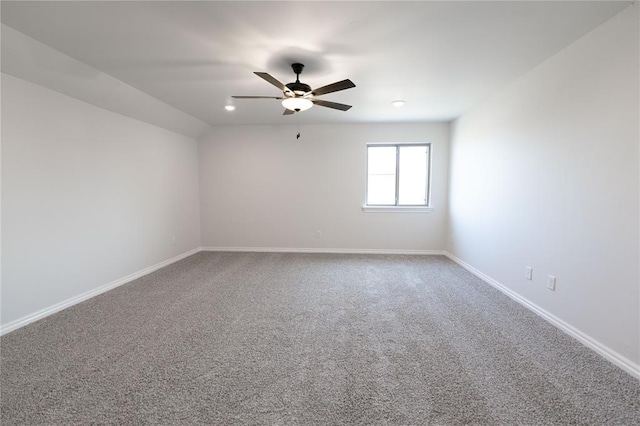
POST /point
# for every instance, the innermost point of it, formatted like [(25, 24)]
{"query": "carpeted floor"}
[(275, 338)]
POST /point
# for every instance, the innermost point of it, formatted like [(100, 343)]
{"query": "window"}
[(398, 176)]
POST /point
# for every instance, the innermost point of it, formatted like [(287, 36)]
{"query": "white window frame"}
[(399, 208)]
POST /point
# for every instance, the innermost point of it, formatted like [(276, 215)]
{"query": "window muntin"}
[(398, 174)]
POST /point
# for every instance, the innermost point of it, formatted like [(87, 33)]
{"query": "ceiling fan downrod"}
[(297, 68), (297, 88)]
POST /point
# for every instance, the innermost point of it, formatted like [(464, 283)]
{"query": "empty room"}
[(330, 213)]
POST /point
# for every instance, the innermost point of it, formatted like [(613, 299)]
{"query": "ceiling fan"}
[(298, 96)]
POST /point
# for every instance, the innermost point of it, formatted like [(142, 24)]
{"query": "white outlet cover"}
[(551, 283), (528, 273)]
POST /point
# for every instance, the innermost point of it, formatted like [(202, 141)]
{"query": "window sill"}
[(397, 209)]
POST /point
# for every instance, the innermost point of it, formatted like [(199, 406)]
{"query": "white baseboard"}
[(323, 250), (607, 353), (21, 322)]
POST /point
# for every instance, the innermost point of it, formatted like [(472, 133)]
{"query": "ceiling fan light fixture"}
[(297, 104)]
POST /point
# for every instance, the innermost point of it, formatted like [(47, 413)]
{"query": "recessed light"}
[(397, 103), (229, 107)]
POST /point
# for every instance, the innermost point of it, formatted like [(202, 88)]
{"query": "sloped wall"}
[(88, 197)]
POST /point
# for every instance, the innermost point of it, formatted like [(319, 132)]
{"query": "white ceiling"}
[(440, 57)]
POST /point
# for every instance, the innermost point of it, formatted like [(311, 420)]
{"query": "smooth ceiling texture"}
[(440, 57)]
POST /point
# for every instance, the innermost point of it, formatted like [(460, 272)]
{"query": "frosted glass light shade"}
[(297, 104)]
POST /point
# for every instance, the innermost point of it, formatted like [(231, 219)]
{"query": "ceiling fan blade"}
[(287, 112), (334, 105), (340, 85), (256, 97), (268, 77)]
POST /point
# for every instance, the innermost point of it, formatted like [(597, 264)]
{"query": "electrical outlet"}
[(318, 234), (551, 283), (528, 273), (173, 241)]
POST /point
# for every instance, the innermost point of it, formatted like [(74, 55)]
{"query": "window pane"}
[(412, 186), (381, 179), (381, 190), (382, 160)]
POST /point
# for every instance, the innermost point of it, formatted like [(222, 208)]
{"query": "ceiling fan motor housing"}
[(298, 88)]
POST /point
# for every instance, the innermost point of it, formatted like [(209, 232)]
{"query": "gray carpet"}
[(274, 338)]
